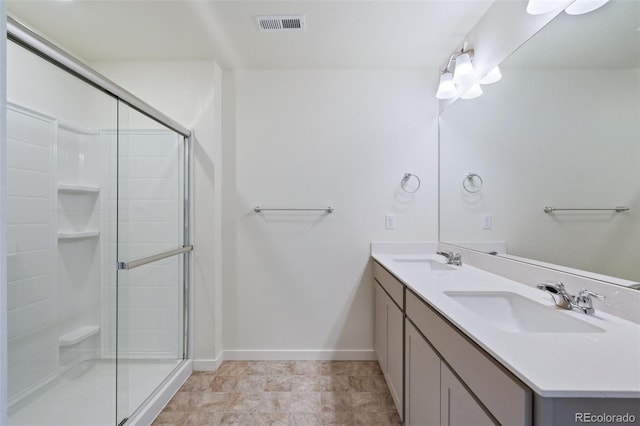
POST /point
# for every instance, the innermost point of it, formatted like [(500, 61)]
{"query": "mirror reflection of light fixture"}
[(493, 76), (579, 7), (446, 88), (539, 7), (473, 92), (459, 73)]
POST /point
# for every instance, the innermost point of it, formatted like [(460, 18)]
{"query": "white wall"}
[(189, 92), (43, 87), (299, 285), (567, 139)]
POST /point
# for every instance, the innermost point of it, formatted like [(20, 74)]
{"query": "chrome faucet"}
[(560, 296), (452, 258), (583, 302)]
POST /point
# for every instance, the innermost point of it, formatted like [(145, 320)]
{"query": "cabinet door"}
[(458, 408), (394, 353), (380, 344), (422, 381)]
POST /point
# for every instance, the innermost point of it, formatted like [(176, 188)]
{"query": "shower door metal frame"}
[(31, 40)]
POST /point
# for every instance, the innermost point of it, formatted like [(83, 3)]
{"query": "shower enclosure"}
[(98, 242)]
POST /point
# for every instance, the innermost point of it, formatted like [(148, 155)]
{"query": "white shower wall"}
[(31, 279), (79, 271)]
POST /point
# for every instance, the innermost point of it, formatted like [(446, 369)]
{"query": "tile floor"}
[(284, 393)]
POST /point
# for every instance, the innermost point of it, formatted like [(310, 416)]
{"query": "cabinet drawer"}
[(389, 283), (507, 399)]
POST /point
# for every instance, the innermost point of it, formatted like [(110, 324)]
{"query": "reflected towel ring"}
[(469, 183), (405, 180)]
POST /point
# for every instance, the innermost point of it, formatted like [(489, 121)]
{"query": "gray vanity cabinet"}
[(434, 395), (422, 380), (457, 405), (447, 379), (489, 388), (388, 343)]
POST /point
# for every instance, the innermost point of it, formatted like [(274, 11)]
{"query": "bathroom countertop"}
[(596, 365)]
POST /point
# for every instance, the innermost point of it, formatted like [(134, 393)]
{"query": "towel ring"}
[(469, 185), (405, 180)]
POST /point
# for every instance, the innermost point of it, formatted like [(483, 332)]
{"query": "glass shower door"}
[(149, 293)]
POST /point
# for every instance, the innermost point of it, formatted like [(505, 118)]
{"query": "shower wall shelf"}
[(78, 335), (77, 235), (71, 188)]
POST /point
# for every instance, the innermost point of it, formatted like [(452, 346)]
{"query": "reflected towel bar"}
[(259, 209), (548, 209), (154, 258)]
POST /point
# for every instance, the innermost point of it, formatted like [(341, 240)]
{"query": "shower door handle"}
[(150, 259)]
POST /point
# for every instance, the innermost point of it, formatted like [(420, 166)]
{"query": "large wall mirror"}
[(560, 130)]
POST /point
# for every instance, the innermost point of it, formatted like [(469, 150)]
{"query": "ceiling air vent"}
[(281, 23)]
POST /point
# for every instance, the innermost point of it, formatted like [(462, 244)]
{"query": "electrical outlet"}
[(389, 221), (487, 221)]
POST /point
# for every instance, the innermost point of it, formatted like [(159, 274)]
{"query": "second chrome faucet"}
[(452, 258), (583, 302)]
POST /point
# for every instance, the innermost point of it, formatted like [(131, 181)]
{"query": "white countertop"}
[(598, 365)]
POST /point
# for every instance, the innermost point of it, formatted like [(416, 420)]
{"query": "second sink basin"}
[(516, 313)]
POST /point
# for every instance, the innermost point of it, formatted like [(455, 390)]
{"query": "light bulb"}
[(493, 76), (473, 92), (538, 7), (579, 7), (446, 88), (463, 72)]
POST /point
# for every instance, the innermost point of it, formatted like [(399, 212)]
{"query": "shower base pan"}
[(86, 394)]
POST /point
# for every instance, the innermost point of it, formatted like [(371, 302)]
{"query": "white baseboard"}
[(208, 364), (154, 406), (300, 355)]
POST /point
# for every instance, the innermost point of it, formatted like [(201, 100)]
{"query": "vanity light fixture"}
[(459, 70), (580, 7), (493, 76), (446, 88), (463, 72), (473, 92)]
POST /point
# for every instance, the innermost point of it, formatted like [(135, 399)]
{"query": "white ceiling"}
[(340, 34)]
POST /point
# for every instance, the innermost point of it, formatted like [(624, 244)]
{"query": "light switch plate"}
[(487, 221), (389, 221)]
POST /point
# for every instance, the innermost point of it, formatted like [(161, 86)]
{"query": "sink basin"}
[(513, 312), (434, 265)]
